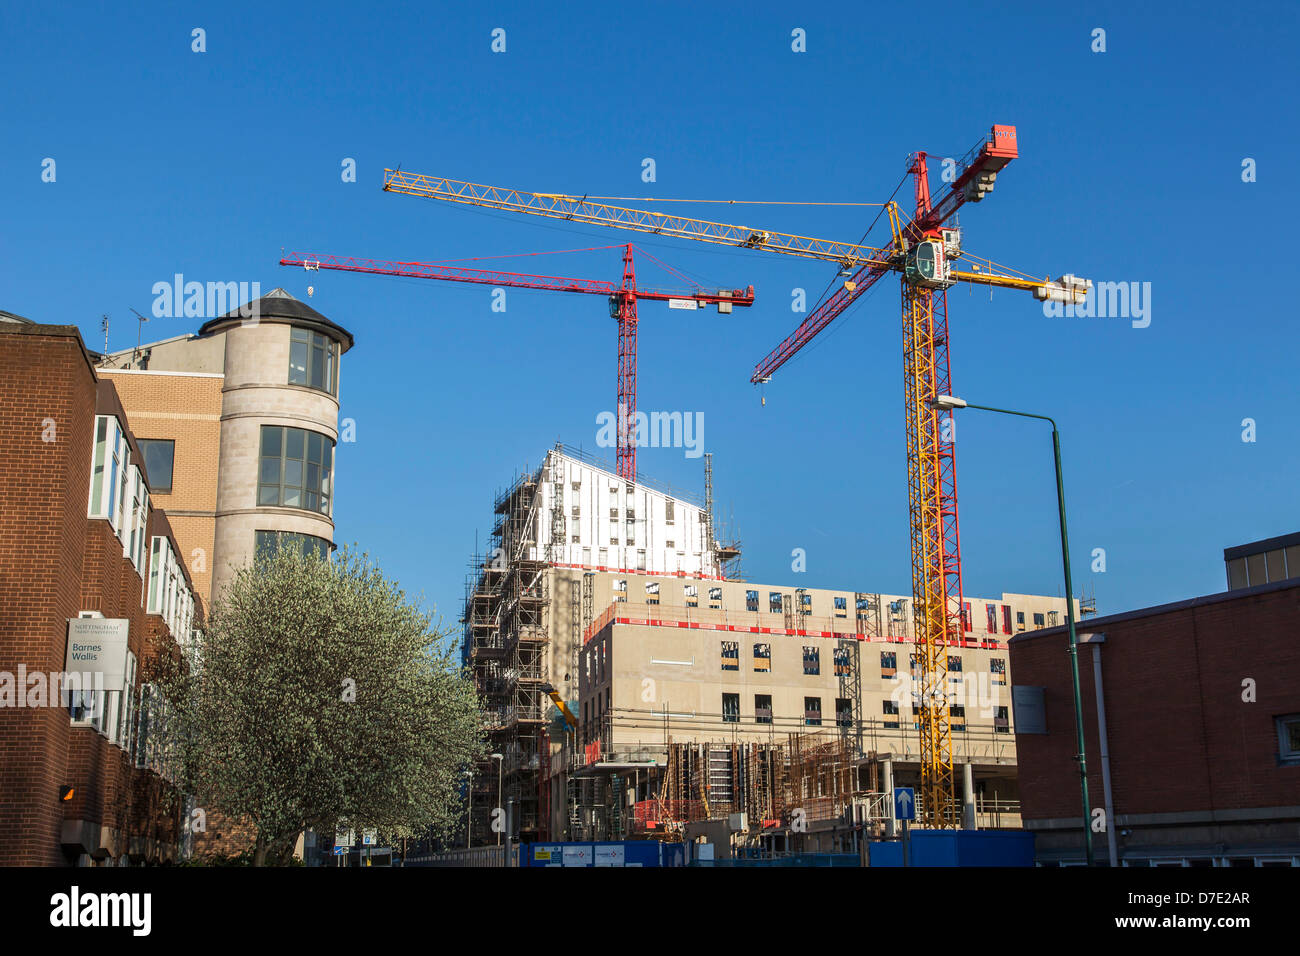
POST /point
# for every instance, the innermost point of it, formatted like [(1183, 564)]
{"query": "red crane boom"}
[(622, 297)]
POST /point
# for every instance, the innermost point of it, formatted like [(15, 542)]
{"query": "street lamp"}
[(469, 804), (498, 758), (950, 403)]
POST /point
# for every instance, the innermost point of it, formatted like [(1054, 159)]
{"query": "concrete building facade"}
[(614, 597)]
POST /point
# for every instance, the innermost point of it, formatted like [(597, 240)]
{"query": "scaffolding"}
[(505, 645)]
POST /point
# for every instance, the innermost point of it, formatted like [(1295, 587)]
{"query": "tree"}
[(318, 694)]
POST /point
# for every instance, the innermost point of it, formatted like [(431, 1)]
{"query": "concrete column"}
[(891, 824), (968, 801)]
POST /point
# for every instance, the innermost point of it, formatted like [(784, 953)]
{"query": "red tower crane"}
[(622, 306)]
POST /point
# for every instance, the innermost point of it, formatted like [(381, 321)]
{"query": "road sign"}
[(904, 803), (369, 837), (341, 850)]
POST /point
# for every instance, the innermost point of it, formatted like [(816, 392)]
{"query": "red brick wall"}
[(54, 563), (1181, 738)]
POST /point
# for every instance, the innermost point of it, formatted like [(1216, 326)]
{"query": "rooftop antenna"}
[(103, 324), (139, 327)]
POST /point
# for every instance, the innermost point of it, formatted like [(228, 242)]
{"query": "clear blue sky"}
[(209, 163)]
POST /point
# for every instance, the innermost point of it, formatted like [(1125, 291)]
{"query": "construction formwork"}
[(658, 790)]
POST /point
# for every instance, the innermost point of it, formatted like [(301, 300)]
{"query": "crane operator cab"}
[(928, 266)]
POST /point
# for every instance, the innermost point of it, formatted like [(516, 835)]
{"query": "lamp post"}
[(950, 403), (498, 758), (469, 804)]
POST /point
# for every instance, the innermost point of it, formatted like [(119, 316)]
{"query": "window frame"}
[(314, 342), (154, 481), (323, 489)]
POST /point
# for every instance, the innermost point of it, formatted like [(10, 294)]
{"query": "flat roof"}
[(1091, 624), (1259, 547)]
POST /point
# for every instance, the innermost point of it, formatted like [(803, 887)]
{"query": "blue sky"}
[(1130, 169)]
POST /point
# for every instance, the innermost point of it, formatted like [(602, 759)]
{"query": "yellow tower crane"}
[(922, 251)]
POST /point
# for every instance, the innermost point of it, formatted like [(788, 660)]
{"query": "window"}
[(141, 529), (692, 596), (160, 557), (620, 590), (109, 476), (669, 512), (670, 544), (762, 708), (266, 543), (890, 708), (1039, 620), (159, 455), (998, 670), (842, 660), (1006, 619), (731, 655), (731, 708), (811, 660), (967, 624), (843, 712), (957, 716), (774, 601), (295, 469), (841, 607), (312, 360), (751, 600), (575, 511), (812, 711), (762, 657), (652, 593), (1288, 739), (715, 598), (1020, 620), (993, 617), (954, 664), (888, 664), (1001, 724), (122, 735)]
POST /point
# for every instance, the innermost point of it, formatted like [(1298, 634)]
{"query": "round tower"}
[(279, 430)]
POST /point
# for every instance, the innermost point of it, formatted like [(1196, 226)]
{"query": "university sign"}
[(97, 645)]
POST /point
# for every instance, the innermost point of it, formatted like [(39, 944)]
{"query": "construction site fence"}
[(478, 856)]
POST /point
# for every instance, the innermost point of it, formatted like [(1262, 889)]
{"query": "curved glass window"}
[(295, 468), (313, 360), (267, 542)]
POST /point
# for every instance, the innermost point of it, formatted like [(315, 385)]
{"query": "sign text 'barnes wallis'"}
[(97, 645)]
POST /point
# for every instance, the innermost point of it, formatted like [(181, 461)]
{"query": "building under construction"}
[(700, 706)]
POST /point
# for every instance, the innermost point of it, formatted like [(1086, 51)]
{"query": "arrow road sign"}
[(904, 803)]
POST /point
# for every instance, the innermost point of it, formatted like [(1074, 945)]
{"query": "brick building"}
[(81, 538), (1201, 701), (241, 423)]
